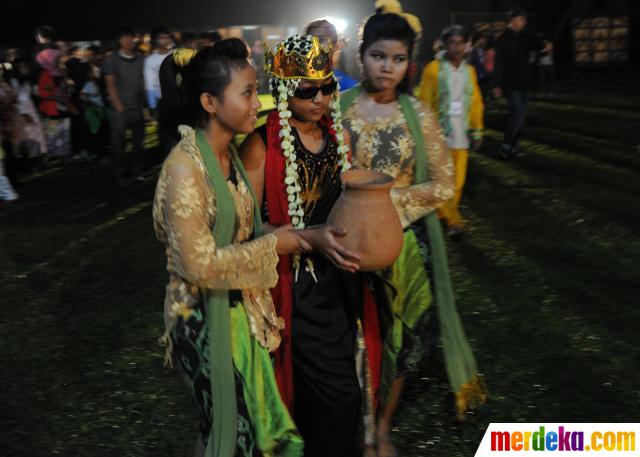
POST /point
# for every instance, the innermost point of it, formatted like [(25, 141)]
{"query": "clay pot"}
[(365, 210)]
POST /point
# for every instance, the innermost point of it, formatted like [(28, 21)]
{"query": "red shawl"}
[(276, 197), (47, 90)]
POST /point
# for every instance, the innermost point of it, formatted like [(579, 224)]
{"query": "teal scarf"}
[(232, 349), (444, 95), (222, 438)]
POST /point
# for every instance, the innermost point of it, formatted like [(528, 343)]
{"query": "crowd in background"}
[(481, 53), (60, 103)]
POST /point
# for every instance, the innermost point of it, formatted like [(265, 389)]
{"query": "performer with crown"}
[(294, 163)]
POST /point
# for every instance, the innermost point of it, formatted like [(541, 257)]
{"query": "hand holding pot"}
[(324, 240), (372, 226), (289, 242)]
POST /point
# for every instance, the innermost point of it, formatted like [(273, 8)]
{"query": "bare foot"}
[(386, 449)]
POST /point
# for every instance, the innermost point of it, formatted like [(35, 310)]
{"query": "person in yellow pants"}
[(449, 86), (449, 212)]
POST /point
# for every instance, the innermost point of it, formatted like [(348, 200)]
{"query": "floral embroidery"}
[(184, 214), (386, 145), (188, 201)]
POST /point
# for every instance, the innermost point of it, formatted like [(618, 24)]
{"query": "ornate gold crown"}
[(300, 57)]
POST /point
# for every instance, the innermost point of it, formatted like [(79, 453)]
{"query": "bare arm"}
[(252, 153), (322, 239)]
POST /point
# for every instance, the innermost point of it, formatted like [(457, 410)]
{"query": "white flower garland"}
[(286, 88)]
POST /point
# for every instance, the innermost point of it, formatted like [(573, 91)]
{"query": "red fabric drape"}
[(47, 88), (276, 195), (278, 206)]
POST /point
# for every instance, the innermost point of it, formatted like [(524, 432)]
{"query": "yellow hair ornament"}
[(182, 56), (414, 22), (389, 6), (394, 7)]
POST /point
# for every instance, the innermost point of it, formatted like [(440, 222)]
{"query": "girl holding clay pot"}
[(394, 133)]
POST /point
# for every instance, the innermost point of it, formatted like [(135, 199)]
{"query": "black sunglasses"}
[(310, 92)]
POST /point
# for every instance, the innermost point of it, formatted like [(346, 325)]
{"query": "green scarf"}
[(459, 361), (231, 346), (444, 94)]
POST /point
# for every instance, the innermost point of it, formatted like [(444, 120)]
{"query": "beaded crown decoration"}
[(300, 57), (294, 59)]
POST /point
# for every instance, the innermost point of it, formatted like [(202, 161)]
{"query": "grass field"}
[(547, 283)]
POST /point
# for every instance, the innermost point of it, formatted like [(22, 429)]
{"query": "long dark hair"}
[(210, 71), (388, 26)]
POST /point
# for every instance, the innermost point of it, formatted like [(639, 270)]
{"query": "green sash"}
[(459, 361), (231, 345), (444, 95), (411, 297)]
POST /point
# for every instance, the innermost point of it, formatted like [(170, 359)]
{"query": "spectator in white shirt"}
[(162, 42)]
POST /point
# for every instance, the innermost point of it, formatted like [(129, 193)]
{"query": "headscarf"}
[(48, 60)]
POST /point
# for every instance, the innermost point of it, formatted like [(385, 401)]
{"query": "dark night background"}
[(77, 20), (546, 278)]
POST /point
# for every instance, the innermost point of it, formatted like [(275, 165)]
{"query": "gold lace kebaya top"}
[(386, 145), (184, 213)]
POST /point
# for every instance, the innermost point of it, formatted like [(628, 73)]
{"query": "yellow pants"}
[(449, 211)]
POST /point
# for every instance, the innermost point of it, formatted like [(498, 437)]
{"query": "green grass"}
[(82, 299), (546, 281)]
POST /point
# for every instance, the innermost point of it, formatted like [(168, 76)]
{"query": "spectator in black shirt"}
[(208, 39), (123, 73), (511, 79)]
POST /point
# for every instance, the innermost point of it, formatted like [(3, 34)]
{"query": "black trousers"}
[(327, 392), (517, 100), (133, 119)]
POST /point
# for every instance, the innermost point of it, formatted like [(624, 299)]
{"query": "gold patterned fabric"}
[(184, 213), (385, 144)]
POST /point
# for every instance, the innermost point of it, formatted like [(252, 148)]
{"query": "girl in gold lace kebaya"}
[(394, 133), (220, 319)]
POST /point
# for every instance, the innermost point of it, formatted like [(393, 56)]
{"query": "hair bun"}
[(209, 70)]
